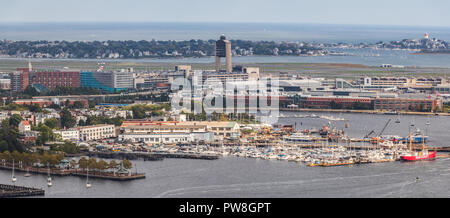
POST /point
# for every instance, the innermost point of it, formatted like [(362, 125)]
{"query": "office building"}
[(107, 81), (96, 132), (19, 81)]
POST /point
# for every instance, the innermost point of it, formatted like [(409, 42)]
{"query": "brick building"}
[(407, 104), (326, 102), (51, 80)]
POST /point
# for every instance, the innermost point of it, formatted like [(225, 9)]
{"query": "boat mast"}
[(423, 142), (410, 142)]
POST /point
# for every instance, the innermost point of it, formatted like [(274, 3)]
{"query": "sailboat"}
[(88, 185), (49, 178), (28, 173), (13, 178)]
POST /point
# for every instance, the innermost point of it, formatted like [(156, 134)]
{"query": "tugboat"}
[(417, 156)]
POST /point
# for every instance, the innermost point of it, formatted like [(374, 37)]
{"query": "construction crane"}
[(384, 128), (370, 133)]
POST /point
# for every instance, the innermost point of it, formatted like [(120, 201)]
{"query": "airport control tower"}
[(223, 50)]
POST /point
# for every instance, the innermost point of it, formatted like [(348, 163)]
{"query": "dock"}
[(151, 156), (12, 191), (79, 173)]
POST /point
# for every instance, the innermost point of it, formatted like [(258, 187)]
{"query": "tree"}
[(70, 148), (34, 108), (30, 90), (53, 123), (67, 120), (92, 164), (77, 105), (6, 156), (102, 165), (127, 164), (45, 134), (9, 137), (113, 164), (15, 119), (83, 163)]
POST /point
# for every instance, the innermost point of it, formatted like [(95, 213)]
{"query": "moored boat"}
[(417, 156)]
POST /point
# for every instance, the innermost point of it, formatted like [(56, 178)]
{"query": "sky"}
[(378, 12)]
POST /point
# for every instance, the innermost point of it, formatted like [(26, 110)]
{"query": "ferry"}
[(298, 137)]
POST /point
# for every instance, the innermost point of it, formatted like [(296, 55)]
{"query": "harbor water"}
[(240, 177)]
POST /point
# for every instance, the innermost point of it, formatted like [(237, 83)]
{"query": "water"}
[(238, 177), (206, 31), (367, 57)]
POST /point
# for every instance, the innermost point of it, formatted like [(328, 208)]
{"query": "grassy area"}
[(328, 70)]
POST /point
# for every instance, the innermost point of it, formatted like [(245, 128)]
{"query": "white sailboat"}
[(13, 178), (88, 185), (28, 173), (49, 179)]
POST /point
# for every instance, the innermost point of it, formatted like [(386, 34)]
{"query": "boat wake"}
[(247, 186)]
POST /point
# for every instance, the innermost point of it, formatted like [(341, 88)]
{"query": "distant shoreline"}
[(433, 53)]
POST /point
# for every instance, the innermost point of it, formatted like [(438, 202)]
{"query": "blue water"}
[(205, 31)]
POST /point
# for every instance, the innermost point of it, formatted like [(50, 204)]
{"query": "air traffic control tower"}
[(223, 50)]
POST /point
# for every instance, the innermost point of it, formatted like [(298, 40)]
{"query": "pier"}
[(12, 191), (152, 156), (79, 173)]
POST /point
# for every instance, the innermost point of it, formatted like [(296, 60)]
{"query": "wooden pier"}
[(12, 191)]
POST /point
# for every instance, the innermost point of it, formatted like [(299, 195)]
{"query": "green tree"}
[(31, 91), (113, 164), (53, 123), (127, 164), (15, 119), (102, 165), (92, 163), (67, 120), (83, 163)]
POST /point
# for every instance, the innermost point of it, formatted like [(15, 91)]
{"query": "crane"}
[(370, 133), (384, 128)]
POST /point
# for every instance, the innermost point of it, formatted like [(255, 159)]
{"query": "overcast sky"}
[(384, 12)]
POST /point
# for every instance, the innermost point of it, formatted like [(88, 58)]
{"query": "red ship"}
[(417, 156), (420, 156)]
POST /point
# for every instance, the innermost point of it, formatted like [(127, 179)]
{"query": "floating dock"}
[(152, 156), (12, 191), (79, 173)]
